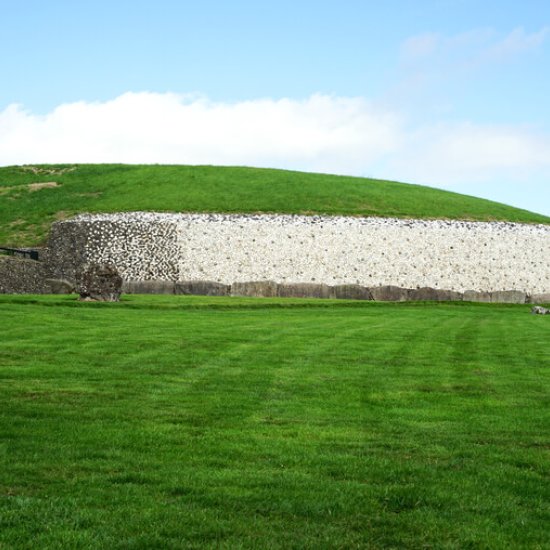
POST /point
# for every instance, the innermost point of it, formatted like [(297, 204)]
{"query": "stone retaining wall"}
[(18, 276), (370, 253), (270, 289)]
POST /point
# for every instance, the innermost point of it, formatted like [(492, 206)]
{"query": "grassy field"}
[(189, 422), (30, 201)]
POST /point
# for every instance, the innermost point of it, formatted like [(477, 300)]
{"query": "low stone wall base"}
[(19, 276), (270, 289)]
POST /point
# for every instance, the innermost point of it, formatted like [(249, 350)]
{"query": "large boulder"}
[(202, 288), (389, 293), (262, 289), (99, 282), (351, 292)]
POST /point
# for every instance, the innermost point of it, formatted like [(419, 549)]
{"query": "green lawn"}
[(26, 213), (190, 422)]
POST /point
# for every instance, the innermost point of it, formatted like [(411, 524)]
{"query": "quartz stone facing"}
[(457, 256)]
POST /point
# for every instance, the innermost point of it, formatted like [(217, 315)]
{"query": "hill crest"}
[(33, 197)]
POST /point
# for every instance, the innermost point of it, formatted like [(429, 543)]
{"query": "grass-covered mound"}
[(32, 197), (188, 422)]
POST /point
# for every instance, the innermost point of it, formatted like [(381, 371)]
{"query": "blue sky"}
[(449, 93)]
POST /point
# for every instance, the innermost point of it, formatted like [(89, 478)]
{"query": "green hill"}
[(33, 197)]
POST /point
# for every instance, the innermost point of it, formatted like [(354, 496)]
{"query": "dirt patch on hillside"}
[(62, 215), (32, 187), (49, 170), (93, 195), (43, 185)]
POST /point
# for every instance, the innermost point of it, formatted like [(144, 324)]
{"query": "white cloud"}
[(322, 133), (420, 45), (459, 154), (516, 42), (472, 48)]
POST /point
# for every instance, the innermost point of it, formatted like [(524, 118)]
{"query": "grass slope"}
[(189, 422), (27, 211)]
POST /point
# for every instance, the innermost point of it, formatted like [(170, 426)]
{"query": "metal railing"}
[(27, 253)]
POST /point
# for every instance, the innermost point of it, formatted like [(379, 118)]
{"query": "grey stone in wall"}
[(434, 294), (389, 293), (202, 288), (509, 297), (148, 287), (540, 298), (351, 292), (59, 286), (261, 289), (498, 296), (474, 296), (304, 290)]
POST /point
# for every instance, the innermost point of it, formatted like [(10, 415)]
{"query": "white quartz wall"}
[(451, 255)]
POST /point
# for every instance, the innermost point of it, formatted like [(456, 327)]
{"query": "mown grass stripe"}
[(159, 423)]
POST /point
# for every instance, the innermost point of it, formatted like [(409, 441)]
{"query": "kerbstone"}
[(261, 289), (475, 296), (351, 292), (389, 293), (509, 297), (540, 298), (303, 290), (148, 287), (202, 288), (59, 286), (434, 294)]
